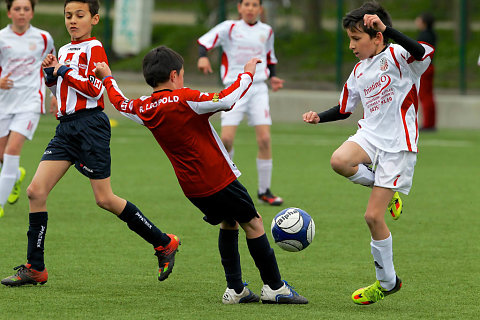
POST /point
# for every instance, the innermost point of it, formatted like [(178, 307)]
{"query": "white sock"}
[(363, 176), (382, 252), (8, 176), (264, 169), (231, 153)]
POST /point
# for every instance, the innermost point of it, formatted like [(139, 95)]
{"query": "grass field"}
[(100, 270)]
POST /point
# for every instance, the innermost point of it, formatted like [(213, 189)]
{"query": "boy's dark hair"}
[(10, 2), (93, 5), (428, 19), (159, 63), (354, 19)]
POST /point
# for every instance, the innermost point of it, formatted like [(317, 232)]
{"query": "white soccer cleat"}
[(284, 295), (246, 296)]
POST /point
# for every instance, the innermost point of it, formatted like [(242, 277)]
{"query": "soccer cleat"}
[(374, 293), (284, 295), (268, 197), (246, 296), (395, 206), (26, 275), (166, 257), (15, 194)]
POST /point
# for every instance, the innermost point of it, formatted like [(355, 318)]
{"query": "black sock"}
[(138, 223), (265, 260), (36, 239), (228, 247)]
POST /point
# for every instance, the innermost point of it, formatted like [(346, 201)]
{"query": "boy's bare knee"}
[(35, 193)]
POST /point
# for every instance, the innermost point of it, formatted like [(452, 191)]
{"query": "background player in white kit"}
[(386, 81), (242, 40), (22, 90)]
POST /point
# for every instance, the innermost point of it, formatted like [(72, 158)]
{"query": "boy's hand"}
[(204, 66), (49, 61), (311, 117), (276, 83), (373, 21), (6, 83), (251, 65), (102, 70)]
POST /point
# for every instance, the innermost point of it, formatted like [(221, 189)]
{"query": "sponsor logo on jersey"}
[(96, 83), (158, 102), (216, 97), (377, 86), (383, 64), (74, 49)]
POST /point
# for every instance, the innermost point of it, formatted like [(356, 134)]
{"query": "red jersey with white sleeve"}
[(179, 121), (79, 89), (241, 42), (22, 55), (387, 84)]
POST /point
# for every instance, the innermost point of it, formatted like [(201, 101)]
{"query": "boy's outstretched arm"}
[(329, 115)]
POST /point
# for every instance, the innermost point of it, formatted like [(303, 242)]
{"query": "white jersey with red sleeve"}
[(22, 56), (79, 89), (241, 42), (387, 84), (179, 121)]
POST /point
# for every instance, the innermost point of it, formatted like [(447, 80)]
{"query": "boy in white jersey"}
[(383, 152), (82, 138), (22, 50), (242, 40)]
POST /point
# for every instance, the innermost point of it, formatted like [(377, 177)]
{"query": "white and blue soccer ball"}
[(293, 229)]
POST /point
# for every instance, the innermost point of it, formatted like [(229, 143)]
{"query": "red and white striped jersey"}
[(241, 42), (22, 55), (179, 121), (79, 88), (387, 85)]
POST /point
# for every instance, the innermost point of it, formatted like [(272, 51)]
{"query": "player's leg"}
[(427, 99), (165, 245), (381, 249), (12, 175), (274, 289), (350, 160), (236, 291), (46, 177), (227, 135)]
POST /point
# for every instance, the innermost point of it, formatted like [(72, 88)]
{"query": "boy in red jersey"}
[(22, 50), (82, 138), (383, 152), (240, 41), (203, 168)]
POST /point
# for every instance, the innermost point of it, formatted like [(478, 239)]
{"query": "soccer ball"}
[(293, 229)]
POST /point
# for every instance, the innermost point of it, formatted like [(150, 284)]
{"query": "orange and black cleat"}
[(268, 197), (26, 275), (166, 257)]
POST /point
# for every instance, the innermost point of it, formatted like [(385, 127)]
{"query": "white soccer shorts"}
[(254, 104), (393, 170), (24, 123)]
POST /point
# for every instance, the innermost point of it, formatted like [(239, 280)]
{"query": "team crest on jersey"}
[(263, 38), (32, 46), (216, 97), (383, 64)]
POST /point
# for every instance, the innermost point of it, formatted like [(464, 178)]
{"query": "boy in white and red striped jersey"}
[(178, 118), (240, 41), (22, 89), (82, 138), (383, 152)]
